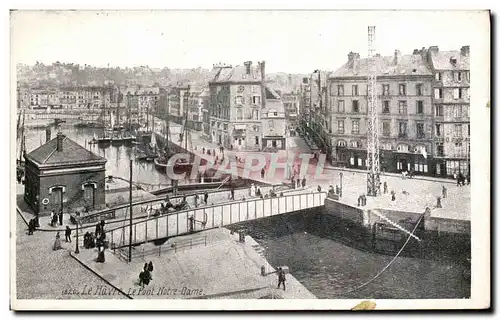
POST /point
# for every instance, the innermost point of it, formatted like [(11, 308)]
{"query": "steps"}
[(394, 224)]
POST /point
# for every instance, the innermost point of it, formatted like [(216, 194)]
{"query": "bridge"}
[(209, 217)]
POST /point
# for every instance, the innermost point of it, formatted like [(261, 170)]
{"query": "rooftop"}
[(245, 73), (71, 152), (413, 64), (450, 60)]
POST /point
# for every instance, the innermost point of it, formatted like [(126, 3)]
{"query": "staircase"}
[(394, 224)]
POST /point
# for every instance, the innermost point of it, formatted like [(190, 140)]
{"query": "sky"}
[(289, 41)]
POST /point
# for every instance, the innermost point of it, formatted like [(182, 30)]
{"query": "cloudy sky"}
[(289, 41)]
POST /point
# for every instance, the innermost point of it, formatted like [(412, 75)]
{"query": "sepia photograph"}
[(221, 159)]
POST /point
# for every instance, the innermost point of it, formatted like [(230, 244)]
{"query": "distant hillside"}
[(69, 74)]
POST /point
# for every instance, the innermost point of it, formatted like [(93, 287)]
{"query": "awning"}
[(240, 127)]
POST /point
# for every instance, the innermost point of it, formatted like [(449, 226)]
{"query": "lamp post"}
[(341, 175), (77, 249)]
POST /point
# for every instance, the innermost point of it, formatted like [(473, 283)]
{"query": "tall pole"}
[(130, 220), (373, 155)]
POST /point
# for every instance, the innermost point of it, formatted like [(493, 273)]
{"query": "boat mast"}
[(168, 124)]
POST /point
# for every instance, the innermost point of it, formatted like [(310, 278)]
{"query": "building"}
[(305, 105), (319, 125), (195, 110), (236, 103), (291, 106), (205, 110), (451, 104), (404, 84), (62, 175), (273, 122), (178, 102)]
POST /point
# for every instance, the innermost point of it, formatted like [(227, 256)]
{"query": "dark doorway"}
[(57, 199), (88, 195)]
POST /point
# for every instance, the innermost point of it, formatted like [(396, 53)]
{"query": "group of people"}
[(407, 174), (54, 217), (33, 224), (362, 200), (461, 179), (145, 276), (297, 182)]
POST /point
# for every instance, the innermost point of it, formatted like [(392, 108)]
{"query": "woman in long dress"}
[(57, 242)]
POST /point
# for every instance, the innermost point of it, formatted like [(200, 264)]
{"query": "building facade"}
[(273, 122), (291, 106), (451, 104), (404, 106), (236, 103)]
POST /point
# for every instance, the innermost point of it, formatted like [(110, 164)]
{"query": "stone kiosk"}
[(62, 175)]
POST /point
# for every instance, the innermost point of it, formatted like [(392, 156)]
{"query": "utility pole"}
[(130, 220), (373, 165)]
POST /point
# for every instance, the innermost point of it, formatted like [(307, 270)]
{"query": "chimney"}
[(352, 59), (397, 57), (248, 65), (465, 50), (434, 49), (47, 135), (262, 66), (60, 138), (416, 51)]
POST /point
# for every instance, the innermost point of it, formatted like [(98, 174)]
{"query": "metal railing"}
[(212, 216)]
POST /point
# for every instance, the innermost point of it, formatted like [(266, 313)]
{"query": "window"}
[(240, 100), (386, 108), (341, 143), (456, 93), (386, 128), (438, 130), (340, 90), (239, 114), (438, 93), (439, 110), (458, 130), (438, 76), (420, 131), (403, 126), (275, 113), (354, 144), (255, 114), (460, 93), (256, 140), (355, 126), (385, 89), (402, 90), (354, 90), (271, 124), (440, 150), (457, 111), (402, 147), (419, 89), (256, 99), (402, 107), (467, 76), (340, 106), (341, 126), (420, 107), (459, 76), (387, 146), (355, 106), (468, 130)]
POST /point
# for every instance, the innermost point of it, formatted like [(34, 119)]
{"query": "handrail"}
[(214, 206)]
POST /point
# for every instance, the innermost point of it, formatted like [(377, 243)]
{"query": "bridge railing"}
[(213, 216)]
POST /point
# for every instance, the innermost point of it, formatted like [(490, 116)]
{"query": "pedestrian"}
[(203, 150), (281, 278), (67, 234), (57, 242), (393, 195), (196, 199), (60, 218), (293, 183), (262, 173), (232, 193), (385, 187), (337, 189), (438, 202), (304, 182), (252, 190), (206, 197), (319, 188), (37, 221), (359, 201), (100, 255), (97, 229), (364, 200), (259, 193), (52, 218), (31, 225), (444, 192), (150, 266)]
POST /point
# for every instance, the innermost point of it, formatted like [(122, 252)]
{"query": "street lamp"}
[(341, 175), (77, 249)]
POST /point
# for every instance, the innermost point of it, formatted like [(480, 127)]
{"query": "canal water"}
[(327, 267)]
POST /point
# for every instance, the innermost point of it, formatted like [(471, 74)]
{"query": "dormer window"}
[(453, 61)]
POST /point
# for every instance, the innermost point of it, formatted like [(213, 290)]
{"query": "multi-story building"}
[(205, 111), (178, 101), (404, 86), (305, 104), (291, 106), (236, 102), (68, 97), (195, 113), (451, 104), (320, 117), (273, 122)]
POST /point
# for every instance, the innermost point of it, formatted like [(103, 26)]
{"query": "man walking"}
[(444, 192), (206, 197), (281, 278), (232, 193), (262, 173), (385, 187), (60, 218), (67, 234)]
